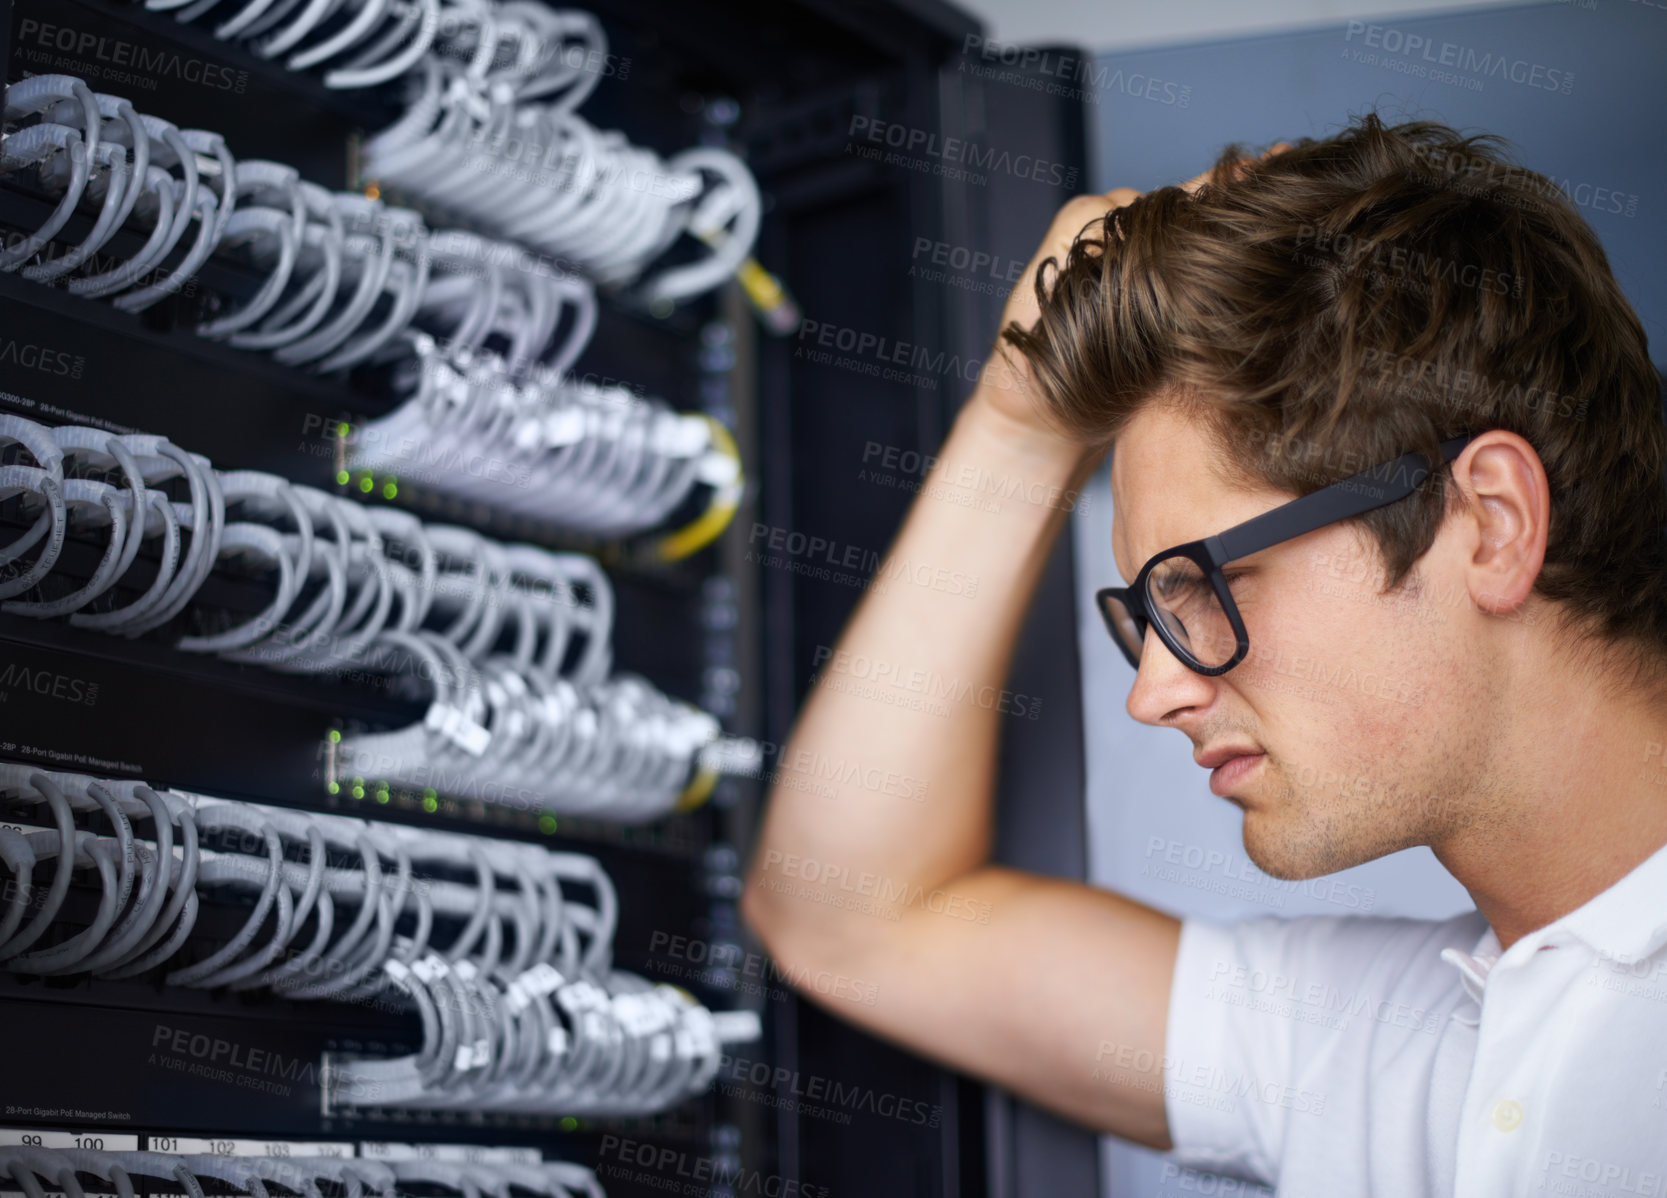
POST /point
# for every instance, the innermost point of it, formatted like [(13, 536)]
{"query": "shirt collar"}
[(1626, 923), (1473, 968)]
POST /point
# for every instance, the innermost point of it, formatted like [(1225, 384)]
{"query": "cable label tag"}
[(542, 979), (96, 1140), (473, 1056), (564, 426), (583, 996), (458, 728), (680, 436), (196, 1146), (516, 998), (718, 469), (431, 968)]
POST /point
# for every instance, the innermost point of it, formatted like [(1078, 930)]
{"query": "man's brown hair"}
[(1353, 298)]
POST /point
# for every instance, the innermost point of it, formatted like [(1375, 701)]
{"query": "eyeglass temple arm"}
[(1366, 491)]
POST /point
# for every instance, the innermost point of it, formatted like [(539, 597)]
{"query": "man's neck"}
[(1580, 801)]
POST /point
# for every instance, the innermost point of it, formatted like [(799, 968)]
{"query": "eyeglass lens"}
[(1179, 593)]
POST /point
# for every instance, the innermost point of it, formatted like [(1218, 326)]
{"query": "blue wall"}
[(1608, 132)]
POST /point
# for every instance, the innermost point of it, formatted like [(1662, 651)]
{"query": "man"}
[(1464, 648)]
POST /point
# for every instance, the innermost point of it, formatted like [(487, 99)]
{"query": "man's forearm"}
[(889, 773)]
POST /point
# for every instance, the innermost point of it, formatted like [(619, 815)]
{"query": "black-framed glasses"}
[(1184, 586)]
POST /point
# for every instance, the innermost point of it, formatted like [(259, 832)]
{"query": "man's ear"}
[(1509, 502)]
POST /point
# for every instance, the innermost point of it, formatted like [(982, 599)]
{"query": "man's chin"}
[(1278, 850), (1293, 850)]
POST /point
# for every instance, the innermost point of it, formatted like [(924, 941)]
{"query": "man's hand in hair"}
[(1007, 385)]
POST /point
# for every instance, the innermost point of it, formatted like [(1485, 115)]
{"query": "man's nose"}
[(1164, 683)]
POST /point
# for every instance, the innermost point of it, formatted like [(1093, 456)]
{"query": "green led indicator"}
[(389, 490), (569, 1123), (335, 736), (358, 792), (342, 478), (334, 788), (343, 429), (366, 483), (431, 804), (546, 824)]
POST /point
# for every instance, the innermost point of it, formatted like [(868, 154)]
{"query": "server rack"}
[(784, 85)]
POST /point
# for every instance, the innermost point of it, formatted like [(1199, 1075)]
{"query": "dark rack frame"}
[(799, 72)]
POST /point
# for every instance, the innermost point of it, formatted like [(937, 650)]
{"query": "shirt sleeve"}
[(1252, 1041), (1212, 1065)]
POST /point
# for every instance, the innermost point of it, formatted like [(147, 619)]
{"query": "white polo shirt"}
[(1339, 1056)]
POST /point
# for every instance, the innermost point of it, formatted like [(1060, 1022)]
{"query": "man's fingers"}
[(1192, 185)]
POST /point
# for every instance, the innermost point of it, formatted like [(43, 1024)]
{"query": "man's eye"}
[(1233, 577)]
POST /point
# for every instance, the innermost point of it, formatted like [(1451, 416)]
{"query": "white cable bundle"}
[(95, 151), (491, 133), (598, 459), (341, 275), (539, 175), (364, 43), (346, 279), (39, 1170), (511, 973), (482, 632)]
